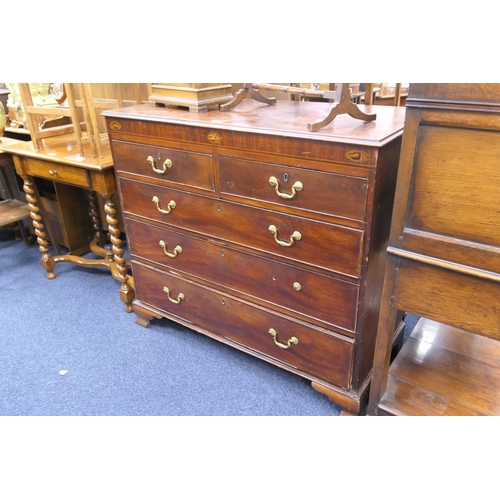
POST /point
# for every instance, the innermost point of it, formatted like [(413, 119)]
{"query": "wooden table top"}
[(6, 142), (62, 149)]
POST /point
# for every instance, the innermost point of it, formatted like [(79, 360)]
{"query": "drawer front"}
[(328, 357), (57, 172), (170, 165), (301, 293), (327, 193), (320, 244)]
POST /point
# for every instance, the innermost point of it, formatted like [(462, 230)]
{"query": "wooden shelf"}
[(12, 211), (444, 371)]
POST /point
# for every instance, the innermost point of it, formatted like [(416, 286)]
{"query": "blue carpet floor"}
[(77, 323), (114, 367)]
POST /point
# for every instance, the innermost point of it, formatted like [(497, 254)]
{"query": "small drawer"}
[(300, 293), (326, 193), (170, 165), (57, 172), (329, 246), (312, 351)]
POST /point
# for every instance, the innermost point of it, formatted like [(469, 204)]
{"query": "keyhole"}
[(285, 177), (158, 155), (218, 208)]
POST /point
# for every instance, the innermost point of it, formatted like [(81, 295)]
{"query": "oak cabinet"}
[(443, 263)]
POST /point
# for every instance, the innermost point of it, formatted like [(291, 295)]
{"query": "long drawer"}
[(319, 244), (328, 193), (57, 172), (170, 165), (327, 356), (302, 293)]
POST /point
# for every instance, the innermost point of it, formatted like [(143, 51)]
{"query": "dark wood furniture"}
[(443, 258), (61, 162), (246, 227), (64, 211), (13, 211)]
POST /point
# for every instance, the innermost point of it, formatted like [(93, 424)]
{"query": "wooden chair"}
[(12, 211), (36, 116), (92, 99), (371, 90), (83, 105)]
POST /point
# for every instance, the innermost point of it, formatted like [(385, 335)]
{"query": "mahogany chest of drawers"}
[(246, 227)]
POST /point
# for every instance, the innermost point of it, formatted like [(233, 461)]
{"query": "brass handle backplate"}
[(293, 340), (177, 250), (170, 205), (179, 298), (294, 237), (297, 186), (166, 164)]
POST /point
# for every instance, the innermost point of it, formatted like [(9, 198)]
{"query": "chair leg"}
[(28, 240)]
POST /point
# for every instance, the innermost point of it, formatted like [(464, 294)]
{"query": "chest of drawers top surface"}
[(286, 119)]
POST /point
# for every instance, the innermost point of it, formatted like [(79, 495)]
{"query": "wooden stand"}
[(344, 104), (197, 97), (443, 260)]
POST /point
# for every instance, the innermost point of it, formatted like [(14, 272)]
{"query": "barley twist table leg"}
[(99, 242), (46, 260), (127, 293), (99, 236)]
